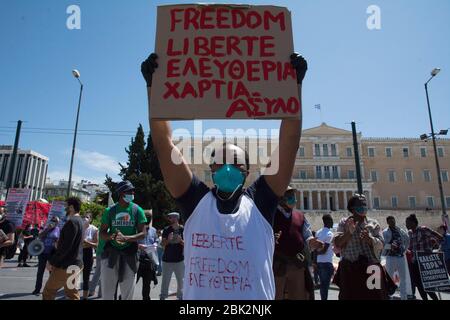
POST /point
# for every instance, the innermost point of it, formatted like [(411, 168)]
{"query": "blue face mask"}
[(228, 178), (291, 200), (128, 198)]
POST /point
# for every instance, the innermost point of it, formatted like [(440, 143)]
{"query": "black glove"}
[(148, 67), (300, 65)]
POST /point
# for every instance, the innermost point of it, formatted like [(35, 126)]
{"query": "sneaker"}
[(19, 265), (26, 265), (36, 292)]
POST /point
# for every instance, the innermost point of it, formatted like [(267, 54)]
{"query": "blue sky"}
[(374, 77)]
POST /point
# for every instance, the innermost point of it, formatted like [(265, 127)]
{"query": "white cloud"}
[(97, 161), (58, 175)]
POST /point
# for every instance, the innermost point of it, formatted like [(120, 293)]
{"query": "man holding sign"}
[(229, 239)]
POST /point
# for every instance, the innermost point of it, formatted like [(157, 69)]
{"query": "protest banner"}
[(16, 205), (58, 209), (433, 271), (224, 61), (35, 213)]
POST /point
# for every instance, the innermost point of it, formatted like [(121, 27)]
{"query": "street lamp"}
[(433, 135), (76, 74)]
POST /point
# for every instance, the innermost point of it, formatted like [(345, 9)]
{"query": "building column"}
[(328, 200), (302, 205), (345, 199), (336, 200), (369, 200), (310, 200), (319, 200)]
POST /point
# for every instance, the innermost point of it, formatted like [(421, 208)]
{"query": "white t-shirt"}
[(228, 256), (90, 232), (326, 236)]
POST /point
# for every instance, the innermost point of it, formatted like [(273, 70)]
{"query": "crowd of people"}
[(236, 243), (127, 248)]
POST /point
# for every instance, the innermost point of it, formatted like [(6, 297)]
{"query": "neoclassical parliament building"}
[(397, 173)]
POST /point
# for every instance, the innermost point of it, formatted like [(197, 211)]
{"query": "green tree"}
[(143, 171)]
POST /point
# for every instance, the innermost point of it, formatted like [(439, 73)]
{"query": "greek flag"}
[(317, 106)]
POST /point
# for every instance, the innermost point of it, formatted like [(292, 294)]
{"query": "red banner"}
[(36, 213)]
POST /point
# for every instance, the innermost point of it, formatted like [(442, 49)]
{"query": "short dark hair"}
[(412, 218), (224, 145), (75, 202), (354, 199), (390, 218), (327, 217)]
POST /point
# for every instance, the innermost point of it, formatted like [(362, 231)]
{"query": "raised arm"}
[(290, 133), (176, 173)]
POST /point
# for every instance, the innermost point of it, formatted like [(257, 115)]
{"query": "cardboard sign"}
[(16, 205), (433, 271), (224, 61)]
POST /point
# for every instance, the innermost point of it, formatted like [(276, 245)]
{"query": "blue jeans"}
[(326, 271)]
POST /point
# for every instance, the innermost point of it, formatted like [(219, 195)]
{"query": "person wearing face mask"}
[(7, 234), (293, 234), (228, 228), (49, 237), (360, 242), (122, 226), (66, 264)]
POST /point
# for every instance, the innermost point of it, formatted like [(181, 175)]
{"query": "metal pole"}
[(357, 163), (69, 187), (438, 168), (12, 165)]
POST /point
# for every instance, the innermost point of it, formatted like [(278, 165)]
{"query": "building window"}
[(318, 172), (376, 202), (423, 152), (430, 202), (325, 150), (326, 170), (351, 174), (408, 176), (333, 150), (335, 172), (349, 152), (374, 175), (394, 202), (405, 152), (317, 150), (444, 175), (440, 152), (301, 151), (389, 152), (391, 175), (302, 174), (371, 152), (412, 202), (426, 175)]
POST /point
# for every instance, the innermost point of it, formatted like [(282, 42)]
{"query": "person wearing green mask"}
[(122, 226), (228, 230), (360, 275), (294, 240)]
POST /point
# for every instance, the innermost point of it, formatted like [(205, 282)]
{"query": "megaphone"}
[(36, 247)]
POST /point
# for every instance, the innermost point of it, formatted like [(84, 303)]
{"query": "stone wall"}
[(430, 219)]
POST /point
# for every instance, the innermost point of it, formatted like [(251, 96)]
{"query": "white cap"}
[(174, 214)]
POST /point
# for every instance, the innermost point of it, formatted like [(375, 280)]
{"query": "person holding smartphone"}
[(173, 257)]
